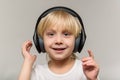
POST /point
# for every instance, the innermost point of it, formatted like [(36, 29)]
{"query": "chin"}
[(60, 58)]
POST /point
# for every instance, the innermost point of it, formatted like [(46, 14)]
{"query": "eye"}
[(50, 34), (67, 34)]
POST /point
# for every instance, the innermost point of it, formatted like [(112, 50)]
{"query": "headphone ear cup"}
[(36, 42), (41, 44), (82, 40), (77, 43)]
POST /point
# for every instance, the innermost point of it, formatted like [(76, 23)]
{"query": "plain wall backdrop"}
[(101, 19)]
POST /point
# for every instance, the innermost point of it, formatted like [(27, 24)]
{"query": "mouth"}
[(59, 49)]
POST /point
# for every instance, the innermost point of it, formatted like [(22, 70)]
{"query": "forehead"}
[(58, 28)]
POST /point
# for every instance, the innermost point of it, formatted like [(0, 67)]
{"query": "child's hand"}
[(29, 59), (26, 52), (90, 67)]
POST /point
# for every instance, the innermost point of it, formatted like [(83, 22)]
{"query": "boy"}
[(59, 30)]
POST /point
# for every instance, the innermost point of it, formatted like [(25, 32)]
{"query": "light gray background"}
[(102, 24)]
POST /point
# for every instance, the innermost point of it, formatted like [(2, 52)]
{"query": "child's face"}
[(59, 43)]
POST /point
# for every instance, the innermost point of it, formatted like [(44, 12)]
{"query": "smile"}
[(59, 49)]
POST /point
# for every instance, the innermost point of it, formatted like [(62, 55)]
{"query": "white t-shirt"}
[(42, 72)]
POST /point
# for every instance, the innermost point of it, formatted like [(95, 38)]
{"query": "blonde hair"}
[(63, 19), (60, 18)]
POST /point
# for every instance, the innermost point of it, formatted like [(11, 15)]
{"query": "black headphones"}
[(80, 40)]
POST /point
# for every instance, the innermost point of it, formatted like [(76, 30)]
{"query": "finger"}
[(88, 62), (86, 59), (26, 46), (34, 56), (90, 54)]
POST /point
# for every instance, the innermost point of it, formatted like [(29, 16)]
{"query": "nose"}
[(59, 40)]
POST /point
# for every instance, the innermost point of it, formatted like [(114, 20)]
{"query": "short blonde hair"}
[(60, 18)]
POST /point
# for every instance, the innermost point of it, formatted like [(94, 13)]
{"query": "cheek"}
[(71, 42), (46, 45), (47, 42)]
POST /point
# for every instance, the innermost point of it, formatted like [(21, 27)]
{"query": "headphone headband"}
[(59, 8)]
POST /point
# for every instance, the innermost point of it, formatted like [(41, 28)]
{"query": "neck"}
[(60, 63), (61, 66)]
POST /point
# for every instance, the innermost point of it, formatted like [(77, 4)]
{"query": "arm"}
[(90, 67), (29, 60)]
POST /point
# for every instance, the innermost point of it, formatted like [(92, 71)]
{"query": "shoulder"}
[(38, 71), (39, 67), (78, 66)]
